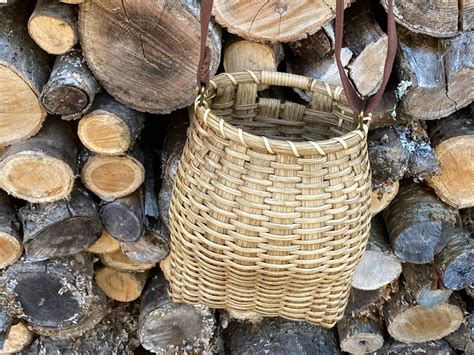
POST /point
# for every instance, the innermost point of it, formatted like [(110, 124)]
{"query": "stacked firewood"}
[(93, 120)]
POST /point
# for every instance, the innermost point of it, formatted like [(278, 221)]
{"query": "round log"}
[(360, 335), (162, 55), (41, 169), (383, 196), (365, 303), (418, 223), (60, 228), (11, 246), (19, 337), (120, 286), (104, 245), (53, 27), (112, 177), (168, 327), (411, 323), (117, 260), (109, 127), (24, 69), (71, 88)]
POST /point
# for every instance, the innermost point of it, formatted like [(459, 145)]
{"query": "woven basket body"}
[(270, 208)]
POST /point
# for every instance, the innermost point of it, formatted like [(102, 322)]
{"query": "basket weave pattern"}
[(270, 208)]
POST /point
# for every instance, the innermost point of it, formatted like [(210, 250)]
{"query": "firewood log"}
[(276, 21), (463, 338), (360, 335), (18, 338), (439, 347), (168, 327), (365, 303), (42, 168), (453, 142), (121, 286), (53, 27), (279, 336), (117, 260), (161, 56), (382, 196), (104, 245), (424, 285), (318, 46), (11, 241), (60, 228), (5, 324), (112, 176), (378, 266), (71, 88), (24, 69), (411, 323), (455, 262), (419, 224), (109, 127)]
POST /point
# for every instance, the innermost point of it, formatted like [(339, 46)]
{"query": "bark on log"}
[(110, 127), (5, 324), (168, 327), (112, 177), (121, 286), (439, 347), (161, 56), (411, 323), (42, 168), (418, 223), (424, 284), (274, 21), (364, 303), (463, 338), (453, 142), (318, 46), (378, 266), (19, 337), (11, 246), (455, 262), (117, 260), (104, 245), (360, 335), (71, 88), (279, 336), (53, 26), (124, 218), (24, 69), (383, 196), (60, 228)]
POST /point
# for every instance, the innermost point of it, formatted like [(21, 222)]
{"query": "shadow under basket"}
[(270, 208)]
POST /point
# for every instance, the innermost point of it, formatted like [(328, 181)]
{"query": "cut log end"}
[(54, 35), (151, 248), (360, 336), (382, 197), (10, 250), (120, 286), (19, 337), (104, 245), (375, 270), (117, 260)]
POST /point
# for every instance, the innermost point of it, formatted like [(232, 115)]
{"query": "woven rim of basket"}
[(273, 146)]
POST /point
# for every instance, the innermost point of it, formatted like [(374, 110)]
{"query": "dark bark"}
[(11, 239), (360, 335)]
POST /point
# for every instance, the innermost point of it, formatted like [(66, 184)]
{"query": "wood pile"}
[(93, 119)]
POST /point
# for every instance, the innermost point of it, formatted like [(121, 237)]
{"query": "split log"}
[(385, 113), (378, 266), (168, 327), (411, 323), (419, 224), (453, 142), (152, 247), (439, 347), (424, 285), (170, 157), (286, 336), (274, 21), (19, 337), (121, 286), (455, 263), (104, 245), (117, 260), (53, 26), (41, 169), (109, 127), (24, 69), (71, 88), (161, 56), (360, 335), (124, 218), (383, 196), (60, 228), (11, 246), (463, 338), (112, 177), (53, 295)]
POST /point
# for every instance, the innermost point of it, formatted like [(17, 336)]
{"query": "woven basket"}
[(270, 208)]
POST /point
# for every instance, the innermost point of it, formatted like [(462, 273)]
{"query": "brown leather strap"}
[(357, 104), (205, 53)]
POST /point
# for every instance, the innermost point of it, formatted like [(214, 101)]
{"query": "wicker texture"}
[(270, 208)]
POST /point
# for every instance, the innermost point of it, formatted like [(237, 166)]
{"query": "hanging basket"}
[(270, 208)]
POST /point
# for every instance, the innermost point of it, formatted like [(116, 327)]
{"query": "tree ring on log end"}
[(104, 245), (388, 269), (362, 343), (117, 260), (129, 227), (53, 35), (35, 177), (10, 250), (74, 100), (118, 285)]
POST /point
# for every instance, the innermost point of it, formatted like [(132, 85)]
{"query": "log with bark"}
[(5, 324), (71, 88), (41, 169), (161, 56), (360, 335), (53, 26), (366, 303), (104, 244), (168, 327), (419, 224), (60, 228), (119, 261), (463, 338), (109, 127), (18, 338), (439, 347), (121, 286), (24, 69), (11, 241), (382, 196), (453, 142)]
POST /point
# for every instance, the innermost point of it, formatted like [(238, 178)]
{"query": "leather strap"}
[(205, 51)]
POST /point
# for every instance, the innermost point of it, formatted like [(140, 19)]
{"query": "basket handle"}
[(356, 103)]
